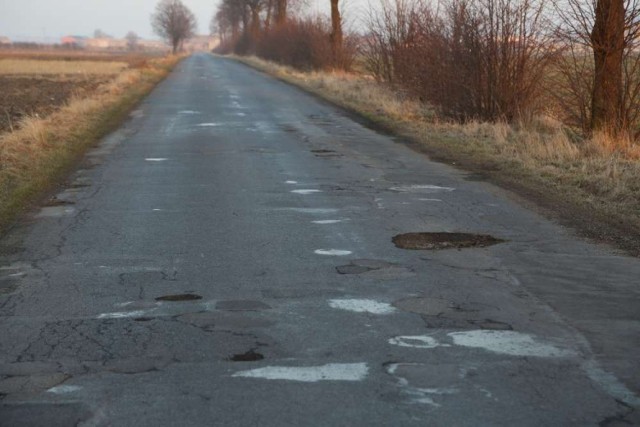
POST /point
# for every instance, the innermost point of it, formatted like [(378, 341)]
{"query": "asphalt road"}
[(239, 196)]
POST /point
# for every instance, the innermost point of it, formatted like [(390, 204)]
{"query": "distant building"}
[(4, 41), (106, 43), (76, 41)]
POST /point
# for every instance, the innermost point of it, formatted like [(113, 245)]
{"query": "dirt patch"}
[(28, 96), (179, 297), (434, 241), (249, 356)]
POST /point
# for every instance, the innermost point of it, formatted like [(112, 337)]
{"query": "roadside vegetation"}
[(55, 108), (507, 89)]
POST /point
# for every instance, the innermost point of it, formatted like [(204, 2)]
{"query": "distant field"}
[(32, 67), (37, 83)]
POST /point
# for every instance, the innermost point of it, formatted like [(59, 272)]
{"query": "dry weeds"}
[(597, 179)]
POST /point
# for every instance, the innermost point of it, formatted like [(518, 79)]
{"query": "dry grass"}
[(597, 179), (41, 152), (30, 67)]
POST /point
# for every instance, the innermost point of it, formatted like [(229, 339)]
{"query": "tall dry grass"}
[(543, 156), (53, 67), (42, 150)]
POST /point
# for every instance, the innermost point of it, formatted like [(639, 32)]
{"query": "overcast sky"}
[(24, 19)]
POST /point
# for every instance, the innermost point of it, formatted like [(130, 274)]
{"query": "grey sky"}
[(28, 19)]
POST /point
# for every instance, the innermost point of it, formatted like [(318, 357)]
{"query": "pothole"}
[(179, 297), (321, 151), (143, 319), (58, 202), (439, 240), (249, 356)]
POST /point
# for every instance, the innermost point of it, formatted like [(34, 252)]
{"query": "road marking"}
[(122, 314), (430, 200), (362, 306), (291, 182), (332, 252), (508, 342), (208, 125), (310, 374), (327, 221), (416, 341), (306, 191), (63, 389), (156, 159), (421, 188)]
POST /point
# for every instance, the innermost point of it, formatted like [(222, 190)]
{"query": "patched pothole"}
[(249, 356), (440, 240), (179, 297)]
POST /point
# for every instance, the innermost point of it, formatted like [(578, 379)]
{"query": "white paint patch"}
[(240, 114), (122, 314), (508, 342), (310, 374), (610, 384), (327, 221), (157, 210), (208, 125), (156, 159), (421, 188), (63, 389), (188, 112), (17, 274), (418, 395), (291, 182), (332, 252), (306, 191), (314, 210), (55, 211), (415, 341), (362, 306), (430, 200)]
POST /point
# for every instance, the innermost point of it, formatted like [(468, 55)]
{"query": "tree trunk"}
[(281, 12), (607, 40), (336, 33)]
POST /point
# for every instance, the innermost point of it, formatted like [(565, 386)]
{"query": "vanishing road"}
[(226, 258)]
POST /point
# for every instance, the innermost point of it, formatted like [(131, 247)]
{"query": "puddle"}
[(362, 306), (306, 191), (310, 374), (249, 356), (434, 241), (420, 189), (179, 297), (242, 305), (332, 252)]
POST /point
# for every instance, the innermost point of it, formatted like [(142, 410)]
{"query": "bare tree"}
[(336, 28), (173, 21), (609, 30), (132, 40)]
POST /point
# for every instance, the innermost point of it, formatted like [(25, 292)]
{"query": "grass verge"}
[(42, 152), (591, 185)]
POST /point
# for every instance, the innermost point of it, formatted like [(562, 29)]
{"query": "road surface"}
[(226, 258)]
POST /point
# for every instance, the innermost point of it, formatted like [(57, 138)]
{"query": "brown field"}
[(37, 83)]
